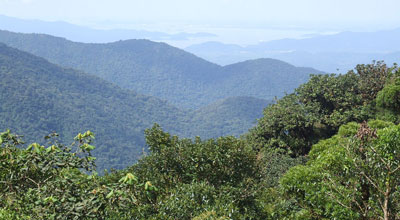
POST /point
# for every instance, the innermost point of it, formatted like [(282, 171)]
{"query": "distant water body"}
[(248, 36), (229, 34)]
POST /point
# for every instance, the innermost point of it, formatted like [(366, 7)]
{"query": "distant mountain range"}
[(86, 34), (37, 97), (326, 52), (166, 72)]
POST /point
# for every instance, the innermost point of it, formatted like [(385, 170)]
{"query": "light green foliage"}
[(41, 182), (349, 176), (187, 201)]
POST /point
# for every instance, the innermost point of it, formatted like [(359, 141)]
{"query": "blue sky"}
[(256, 12)]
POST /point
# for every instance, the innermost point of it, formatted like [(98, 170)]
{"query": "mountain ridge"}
[(329, 53), (38, 97), (86, 34), (159, 70)]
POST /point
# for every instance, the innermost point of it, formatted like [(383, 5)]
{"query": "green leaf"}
[(87, 147), (91, 158), (110, 194)]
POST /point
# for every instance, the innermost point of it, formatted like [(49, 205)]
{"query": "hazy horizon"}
[(234, 21)]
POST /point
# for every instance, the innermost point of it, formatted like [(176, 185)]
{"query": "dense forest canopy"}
[(327, 151), (163, 71), (38, 97)]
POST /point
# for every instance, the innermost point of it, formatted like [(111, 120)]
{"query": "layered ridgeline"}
[(341, 51), (86, 34), (163, 71), (38, 97)]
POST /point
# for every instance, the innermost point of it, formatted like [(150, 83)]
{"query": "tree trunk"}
[(386, 208)]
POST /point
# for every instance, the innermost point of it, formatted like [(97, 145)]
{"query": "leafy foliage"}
[(319, 107), (307, 158), (349, 177)]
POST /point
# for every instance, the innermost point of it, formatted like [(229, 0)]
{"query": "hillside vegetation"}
[(38, 97), (329, 150), (160, 70)]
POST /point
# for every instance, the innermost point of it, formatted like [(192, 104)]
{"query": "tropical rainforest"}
[(327, 150), (163, 71), (38, 97)]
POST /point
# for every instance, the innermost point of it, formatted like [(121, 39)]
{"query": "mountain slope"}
[(235, 114), (37, 97), (160, 70), (265, 76)]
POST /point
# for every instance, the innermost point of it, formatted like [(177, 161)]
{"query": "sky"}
[(243, 18), (286, 12)]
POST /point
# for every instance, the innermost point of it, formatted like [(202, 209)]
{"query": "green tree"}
[(388, 99), (195, 176), (354, 174), (58, 182), (319, 107)]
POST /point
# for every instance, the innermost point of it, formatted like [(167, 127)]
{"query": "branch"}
[(343, 195), (372, 182)]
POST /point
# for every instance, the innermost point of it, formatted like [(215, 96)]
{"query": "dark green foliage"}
[(373, 78), (225, 160), (351, 172), (388, 99), (163, 71), (38, 97), (197, 176), (335, 99), (286, 124), (235, 114), (319, 107)]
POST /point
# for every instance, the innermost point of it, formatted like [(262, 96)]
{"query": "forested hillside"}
[(327, 151), (235, 115), (163, 71), (38, 97)]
